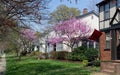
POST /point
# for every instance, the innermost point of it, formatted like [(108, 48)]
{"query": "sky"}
[(81, 4)]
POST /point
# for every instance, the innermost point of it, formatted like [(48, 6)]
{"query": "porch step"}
[(111, 72), (112, 68)]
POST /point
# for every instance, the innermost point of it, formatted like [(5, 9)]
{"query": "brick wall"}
[(104, 53)]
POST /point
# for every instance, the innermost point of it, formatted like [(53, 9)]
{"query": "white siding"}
[(92, 22), (107, 24), (112, 10), (101, 13), (101, 25)]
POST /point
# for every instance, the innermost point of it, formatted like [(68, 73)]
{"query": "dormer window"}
[(107, 11)]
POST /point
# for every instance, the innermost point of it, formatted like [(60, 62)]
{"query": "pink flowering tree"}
[(28, 37), (71, 31), (28, 34)]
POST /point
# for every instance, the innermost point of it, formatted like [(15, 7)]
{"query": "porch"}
[(111, 67)]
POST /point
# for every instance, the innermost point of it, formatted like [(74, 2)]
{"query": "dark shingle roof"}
[(103, 2)]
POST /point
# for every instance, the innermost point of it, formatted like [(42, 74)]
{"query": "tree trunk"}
[(72, 49), (19, 57), (17, 52)]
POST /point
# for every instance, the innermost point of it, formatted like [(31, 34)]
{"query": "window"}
[(118, 3), (60, 46), (107, 38), (91, 44), (106, 14), (75, 45)]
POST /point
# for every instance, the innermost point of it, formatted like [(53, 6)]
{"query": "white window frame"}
[(107, 40)]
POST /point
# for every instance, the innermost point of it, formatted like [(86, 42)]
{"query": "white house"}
[(45, 46), (91, 18)]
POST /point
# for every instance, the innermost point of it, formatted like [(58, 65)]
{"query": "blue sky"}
[(54, 3), (80, 5)]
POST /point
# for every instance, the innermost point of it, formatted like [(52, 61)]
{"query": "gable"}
[(115, 18)]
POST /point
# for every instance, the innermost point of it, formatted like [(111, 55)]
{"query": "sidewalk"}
[(99, 73), (2, 65)]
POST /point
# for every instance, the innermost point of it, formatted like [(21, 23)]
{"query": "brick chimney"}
[(85, 11)]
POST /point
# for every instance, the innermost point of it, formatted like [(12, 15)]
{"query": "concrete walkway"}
[(99, 73), (2, 65)]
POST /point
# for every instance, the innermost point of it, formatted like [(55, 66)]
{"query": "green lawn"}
[(32, 66)]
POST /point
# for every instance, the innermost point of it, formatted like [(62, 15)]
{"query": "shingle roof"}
[(103, 2)]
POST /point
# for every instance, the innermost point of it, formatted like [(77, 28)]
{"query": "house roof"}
[(84, 15), (103, 2)]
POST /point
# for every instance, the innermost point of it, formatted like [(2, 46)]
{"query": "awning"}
[(95, 35)]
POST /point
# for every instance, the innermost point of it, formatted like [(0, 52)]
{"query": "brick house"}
[(109, 25)]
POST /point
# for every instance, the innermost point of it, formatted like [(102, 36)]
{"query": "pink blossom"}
[(71, 31), (28, 34)]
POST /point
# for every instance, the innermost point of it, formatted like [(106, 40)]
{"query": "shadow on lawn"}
[(42, 67)]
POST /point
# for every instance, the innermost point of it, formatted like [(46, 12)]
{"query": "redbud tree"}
[(71, 31), (28, 34), (28, 37)]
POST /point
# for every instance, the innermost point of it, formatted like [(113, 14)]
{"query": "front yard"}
[(31, 66)]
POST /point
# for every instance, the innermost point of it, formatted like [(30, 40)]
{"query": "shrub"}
[(85, 62), (34, 53), (96, 63), (78, 54), (84, 53), (23, 53), (91, 54), (43, 56), (53, 55), (62, 55), (59, 55)]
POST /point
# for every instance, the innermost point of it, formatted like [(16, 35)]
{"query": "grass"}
[(32, 66)]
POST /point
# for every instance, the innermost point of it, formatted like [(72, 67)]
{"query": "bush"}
[(84, 53), (96, 63), (62, 55), (85, 62), (78, 57), (23, 53), (59, 55), (53, 55), (33, 53), (43, 56), (78, 54), (91, 54)]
